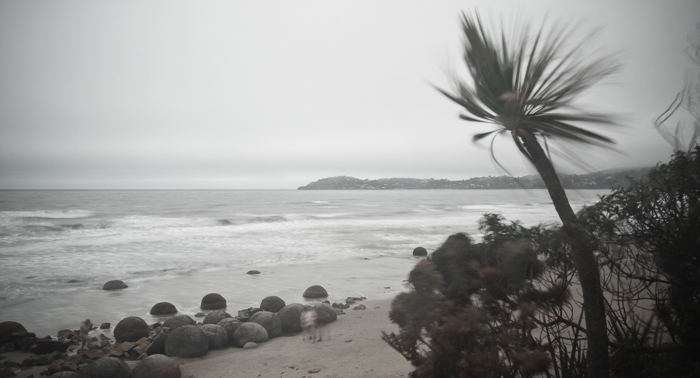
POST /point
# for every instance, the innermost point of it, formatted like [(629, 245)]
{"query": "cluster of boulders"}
[(153, 345)]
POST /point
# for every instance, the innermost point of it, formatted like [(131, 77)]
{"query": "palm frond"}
[(529, 81)]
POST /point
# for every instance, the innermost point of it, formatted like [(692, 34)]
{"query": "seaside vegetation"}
[(510, 305), (527, 85)]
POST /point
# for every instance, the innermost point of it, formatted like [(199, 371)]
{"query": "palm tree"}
[(526, 88)]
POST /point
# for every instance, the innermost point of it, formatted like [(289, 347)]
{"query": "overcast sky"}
[(275, 94)]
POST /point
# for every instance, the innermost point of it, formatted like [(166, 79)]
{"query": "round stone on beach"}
[(114, 285), (163, 308), (420, 251), (187, 342), (215, 317), (290, 317), (250, 345), (326, 313), (213, 301), (253, 272), (272, 303), (107, 367), (315, 291), (248, 332), (217, 335), (156, 366), (270, 321), (131, 328), (7, 328), (178, 321), (230, 325)]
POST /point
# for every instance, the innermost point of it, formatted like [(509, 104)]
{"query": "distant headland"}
[(596, 180)]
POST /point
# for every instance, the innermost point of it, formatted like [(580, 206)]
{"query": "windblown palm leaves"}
[(528, 85)]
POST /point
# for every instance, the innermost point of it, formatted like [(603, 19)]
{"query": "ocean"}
[(57, 248)]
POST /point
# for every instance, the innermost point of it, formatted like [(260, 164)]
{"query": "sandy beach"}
[(355, 349)]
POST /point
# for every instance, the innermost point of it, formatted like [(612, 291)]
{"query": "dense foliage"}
[(511, 305)]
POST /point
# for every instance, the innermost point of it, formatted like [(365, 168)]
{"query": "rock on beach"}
[(272, 303), (315, 291), (215, 317), (131, 328), (270, 321), (156, 366), (290, 315), (213, 301), (107, 367), (114, 285), (248, 332), (178, 321), (163, 308), (187, 341)]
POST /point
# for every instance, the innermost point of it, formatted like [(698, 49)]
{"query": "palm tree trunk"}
[(586, 263)]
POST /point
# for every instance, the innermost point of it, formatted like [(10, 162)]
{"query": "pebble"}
[(250, 345), (314, 371)]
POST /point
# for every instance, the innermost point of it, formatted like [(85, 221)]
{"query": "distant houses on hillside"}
[(596, 180)]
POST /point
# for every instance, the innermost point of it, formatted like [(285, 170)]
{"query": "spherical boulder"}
[(315, 291), (248, 332), (131, 328), (178, 321), (114, 285), (270, 321), (107, 367), (230, 325), (187, 341), (156, 366), (7, 328), (290, 317), (326, 312), (217, 335), (163, 308), (420, 251), (213, 301), (216, 316), (272, 303)]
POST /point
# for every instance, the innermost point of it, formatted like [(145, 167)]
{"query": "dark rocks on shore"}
[(420, 251), (42, 346), (158, 345), (290, 315), (217, 335), (107, 367), (7, 328), (230, 325), (215, 317), (270, 321), (114, 285), (163, 308), (131, 328), (253, 272), (245, 315), (187, 341), (325, 313), (315, 291), (213, 301), (272, 303), (178, 321), (250, 332), (156, 366)]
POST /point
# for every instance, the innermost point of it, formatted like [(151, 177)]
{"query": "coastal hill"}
[(596, 180)]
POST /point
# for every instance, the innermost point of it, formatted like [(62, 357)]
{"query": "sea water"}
[(57, 248)]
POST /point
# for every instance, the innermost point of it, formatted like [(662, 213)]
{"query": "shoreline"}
[(355, 349)]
